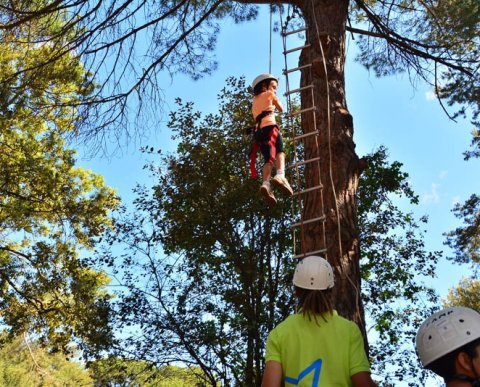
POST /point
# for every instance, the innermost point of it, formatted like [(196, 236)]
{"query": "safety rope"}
[(296, 163), (342, 269), (345, 273), (295, 154), (270, 43)]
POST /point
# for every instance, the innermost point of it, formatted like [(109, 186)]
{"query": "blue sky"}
[(386, 111)]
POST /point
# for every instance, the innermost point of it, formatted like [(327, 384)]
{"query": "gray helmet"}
[(263, 77), (313, 273), (446, 331)]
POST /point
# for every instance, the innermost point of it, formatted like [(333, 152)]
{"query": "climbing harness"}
[(257, 143)]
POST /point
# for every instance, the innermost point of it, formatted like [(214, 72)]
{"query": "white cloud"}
[(430, 95), (443, 174), (455, 200), (432, 196)]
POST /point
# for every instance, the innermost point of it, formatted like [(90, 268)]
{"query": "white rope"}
[(295, 155), (270, 51), (330, 160)]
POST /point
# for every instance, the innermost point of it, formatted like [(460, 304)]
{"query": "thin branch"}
[(406, 44), (438, 96), (37, 366)]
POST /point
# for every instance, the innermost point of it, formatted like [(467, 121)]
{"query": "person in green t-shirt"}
[(315, 346)]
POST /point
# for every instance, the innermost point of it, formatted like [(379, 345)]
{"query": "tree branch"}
[(403, 43)]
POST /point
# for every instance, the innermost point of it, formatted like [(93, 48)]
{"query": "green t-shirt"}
[(324, 354)]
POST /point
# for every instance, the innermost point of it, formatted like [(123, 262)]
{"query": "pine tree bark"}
[(340, 166)]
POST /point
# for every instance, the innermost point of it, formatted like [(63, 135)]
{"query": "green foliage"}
[(134, 373), (26, 364), (437, 41), (50, 210), (179, 38), (466, 293), (225, 281), (393, 264), (465, 240)]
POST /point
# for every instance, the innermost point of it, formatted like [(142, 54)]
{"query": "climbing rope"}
[(297, 163), (316, 159), (345, 273), (270, 43)]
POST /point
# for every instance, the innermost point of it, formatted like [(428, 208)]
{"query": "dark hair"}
[(262, 86), (314, 302), (445, 366)]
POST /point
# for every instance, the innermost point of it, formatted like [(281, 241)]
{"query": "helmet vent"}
[(429, 337), (461, 320), (468, 333)]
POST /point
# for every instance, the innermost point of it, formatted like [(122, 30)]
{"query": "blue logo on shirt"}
[(316, 366)]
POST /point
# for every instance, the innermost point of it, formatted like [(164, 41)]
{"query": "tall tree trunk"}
[(340, 167)]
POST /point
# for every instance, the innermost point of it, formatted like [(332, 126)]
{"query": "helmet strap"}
[(465, 378)]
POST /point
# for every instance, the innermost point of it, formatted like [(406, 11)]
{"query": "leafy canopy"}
[(133, 373), (49, 209), (24, 363), (465, 242), (466, 293), (205, 267), (437, 41)]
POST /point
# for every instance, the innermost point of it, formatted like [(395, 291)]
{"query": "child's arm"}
[(277, 103)]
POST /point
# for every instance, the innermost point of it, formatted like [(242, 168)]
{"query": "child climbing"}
[(267, 137)]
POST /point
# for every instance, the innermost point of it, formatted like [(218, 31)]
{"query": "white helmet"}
[(263, 77), (445, 331), (313, 273)]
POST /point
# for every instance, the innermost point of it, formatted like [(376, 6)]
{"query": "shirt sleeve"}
[(358, 357), (272, 351)]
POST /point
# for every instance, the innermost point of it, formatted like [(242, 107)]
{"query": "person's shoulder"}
[(342, 320), (279, 330), (287, 322)]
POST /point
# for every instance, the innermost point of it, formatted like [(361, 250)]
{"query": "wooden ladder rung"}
[(321, 251), (286, 33), (296, 49), (297, 112), (304, 136), (300, 163), (299, 89), (287, 71), (308, 221), (320, 186)]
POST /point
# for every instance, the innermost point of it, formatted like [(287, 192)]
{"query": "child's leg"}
[(267, 171), (279, 180), (263, 137), (280, 163), (265, 188)]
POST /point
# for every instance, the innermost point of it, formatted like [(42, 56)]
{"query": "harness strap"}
[(272, 141), (465, 378), (260, 117), (253, 160)]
